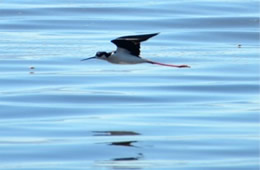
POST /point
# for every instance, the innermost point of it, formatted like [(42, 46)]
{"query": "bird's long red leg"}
[(168, 65)]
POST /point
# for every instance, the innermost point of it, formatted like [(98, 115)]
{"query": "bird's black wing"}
[(137, 38), (132, 42), (132, 47)]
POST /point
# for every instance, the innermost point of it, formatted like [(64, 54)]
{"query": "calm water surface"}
[(59, 113)]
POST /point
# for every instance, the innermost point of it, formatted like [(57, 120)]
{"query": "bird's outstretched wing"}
[(132, 42)]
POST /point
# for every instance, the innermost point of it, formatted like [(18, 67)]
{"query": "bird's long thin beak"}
[(88, 58)]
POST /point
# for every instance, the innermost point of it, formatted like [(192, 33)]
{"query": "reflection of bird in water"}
[(139, 156), (128, 51), (123, 143), (118, 133), (114, 133), (132, 163)]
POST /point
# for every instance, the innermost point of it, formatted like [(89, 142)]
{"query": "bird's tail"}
[(168, 65)]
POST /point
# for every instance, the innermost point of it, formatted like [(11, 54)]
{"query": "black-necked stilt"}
[(128, 51)]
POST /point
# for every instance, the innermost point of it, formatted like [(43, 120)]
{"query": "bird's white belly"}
[(125, 59)]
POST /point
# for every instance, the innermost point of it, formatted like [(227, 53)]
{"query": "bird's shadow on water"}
[(115, 133), (127, 162)]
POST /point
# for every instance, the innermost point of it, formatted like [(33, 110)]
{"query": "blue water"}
[(59, 113)]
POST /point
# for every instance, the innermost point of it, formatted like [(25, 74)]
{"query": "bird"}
[(128, 51)]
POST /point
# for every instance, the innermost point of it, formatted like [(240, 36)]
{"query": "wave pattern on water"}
[(59, 113)]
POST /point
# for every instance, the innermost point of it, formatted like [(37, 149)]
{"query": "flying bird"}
[(128, 51)]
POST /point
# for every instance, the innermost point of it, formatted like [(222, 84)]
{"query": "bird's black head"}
[(101, 54)]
